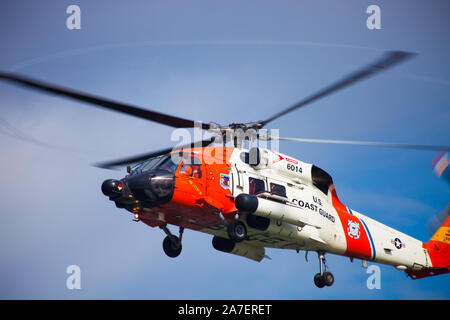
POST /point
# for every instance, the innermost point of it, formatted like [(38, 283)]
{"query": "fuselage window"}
[(256, 186), (278, 189)]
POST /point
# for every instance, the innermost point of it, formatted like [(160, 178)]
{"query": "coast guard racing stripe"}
[(358, 238)]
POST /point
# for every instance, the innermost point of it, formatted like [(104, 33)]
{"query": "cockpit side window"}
[(256, 186), (191, 168)]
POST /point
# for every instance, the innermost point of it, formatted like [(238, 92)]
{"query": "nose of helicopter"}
[(149, 188), (152, 186), (111, 188)]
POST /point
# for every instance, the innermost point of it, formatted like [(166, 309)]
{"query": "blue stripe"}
[(371, 240)]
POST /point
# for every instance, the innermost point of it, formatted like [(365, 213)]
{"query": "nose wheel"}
[(323, 278), (172, 244)]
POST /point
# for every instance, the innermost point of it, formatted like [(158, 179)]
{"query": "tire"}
[(237, 231), (328, 278), (172, 250), (319, 281)]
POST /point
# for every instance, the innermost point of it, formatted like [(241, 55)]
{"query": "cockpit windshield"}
[(163, 162), (168, 162)]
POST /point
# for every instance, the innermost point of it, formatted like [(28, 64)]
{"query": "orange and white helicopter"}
[(257, 198)]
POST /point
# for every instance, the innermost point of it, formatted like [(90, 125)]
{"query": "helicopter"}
[(249, 199)]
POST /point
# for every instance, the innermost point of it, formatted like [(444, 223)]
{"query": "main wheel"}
[(328, 278), (172, 247), (319, 281), (237, 231)]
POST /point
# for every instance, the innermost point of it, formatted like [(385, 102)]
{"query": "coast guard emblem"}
[(353, 229), (225, 181)]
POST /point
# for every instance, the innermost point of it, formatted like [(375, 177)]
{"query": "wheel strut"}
[(323, 278), (236, 229), (170, 235), (322, 262), (172, 244)]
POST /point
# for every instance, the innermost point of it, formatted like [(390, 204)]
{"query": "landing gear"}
[(172, 244), (327, 279), (323, 278), (237, 231)]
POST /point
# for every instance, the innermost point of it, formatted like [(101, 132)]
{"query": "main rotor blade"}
[(154, 116), (389, 60), (367, 143), (145, 156)]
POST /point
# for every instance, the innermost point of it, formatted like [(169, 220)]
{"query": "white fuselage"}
[(302, 217)]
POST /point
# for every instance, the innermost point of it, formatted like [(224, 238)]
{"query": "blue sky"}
[(223, 62)]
